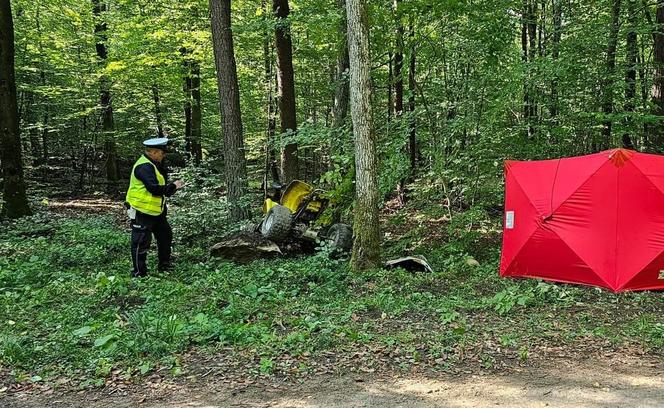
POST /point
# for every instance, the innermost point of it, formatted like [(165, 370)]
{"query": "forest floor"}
[(616, 381), (76, 330)]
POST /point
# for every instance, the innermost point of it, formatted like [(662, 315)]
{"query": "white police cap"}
[(157, 142)]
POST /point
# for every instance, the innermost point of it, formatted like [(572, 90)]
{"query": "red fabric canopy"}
[(595, 220)]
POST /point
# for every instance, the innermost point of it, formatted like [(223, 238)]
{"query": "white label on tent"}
[(661, 275), (509, 219)]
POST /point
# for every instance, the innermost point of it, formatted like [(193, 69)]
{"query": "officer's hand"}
[(178, 184)]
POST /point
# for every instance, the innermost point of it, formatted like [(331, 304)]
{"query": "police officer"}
[(146, 198)]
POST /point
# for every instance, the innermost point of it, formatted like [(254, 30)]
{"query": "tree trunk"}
[(630, 73), (186, 88), (33, 132), (44, 136), (532, 48), (340, 109), (270, 157), (640, 62), (14, 196), (196, 115), (229, 101), (110, 151), (541, 36), (286, 89), (390, 84), (608, 83), (412, 139), (525, 13), (555, 54), (42, 77), (366, 246), (657, 129), (157, 110), (398, 63)]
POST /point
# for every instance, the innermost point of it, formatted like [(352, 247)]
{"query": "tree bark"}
[(341, 95), (390, 84), (608, 83), (196, 115), (157, 110), (398, 86), (44, 131), (525, 13), (532, 48), (42, 77), (229, 101), (630, 73), (107, 126), (186, 89), (14, 196), (412, 123), (541, 36), (657, 129), (366, 246), (33, 132), (555, 54), (286, 89), (270, 157), (398, 63)]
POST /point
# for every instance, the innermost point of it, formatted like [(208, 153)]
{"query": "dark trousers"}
[(142, 229)]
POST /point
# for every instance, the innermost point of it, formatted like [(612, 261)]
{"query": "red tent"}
[(595, 220)]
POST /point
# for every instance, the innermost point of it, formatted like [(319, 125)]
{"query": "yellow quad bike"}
[(292, 212)]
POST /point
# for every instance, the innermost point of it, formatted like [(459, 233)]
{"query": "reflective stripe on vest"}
[(139, 197)]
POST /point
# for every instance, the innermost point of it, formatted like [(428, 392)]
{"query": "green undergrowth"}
[(68, 306)]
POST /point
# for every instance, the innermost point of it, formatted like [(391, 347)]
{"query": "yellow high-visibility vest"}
[(139, 197)]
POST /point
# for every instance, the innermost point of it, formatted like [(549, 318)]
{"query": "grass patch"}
[(68, 306)]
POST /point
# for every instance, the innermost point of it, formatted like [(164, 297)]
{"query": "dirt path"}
[(634, 382)]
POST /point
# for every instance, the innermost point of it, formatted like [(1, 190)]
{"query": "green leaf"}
[(102, 341), (144, 368), (82, 331)]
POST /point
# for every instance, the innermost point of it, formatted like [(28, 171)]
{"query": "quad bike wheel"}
[(277, 223), (340, 237)]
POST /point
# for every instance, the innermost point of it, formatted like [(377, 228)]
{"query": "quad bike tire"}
[(340, 237), (277, 223)]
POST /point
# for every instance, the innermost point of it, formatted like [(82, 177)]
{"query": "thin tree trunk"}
[(645, 92), (157, 110), (42, 77), (366, 246), (286, 89), (607, 99), (186, 89), (31, 122), (541, 36), (107, 126), (196, 115), (270, 157), (555, 54), (532, 35), (412, 137), (340, 109), (398, 86), (657, 129), (229, 101), (14, 196), (630, 73), (524, 58), (44, 137), (398, 62), (390, 83)]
